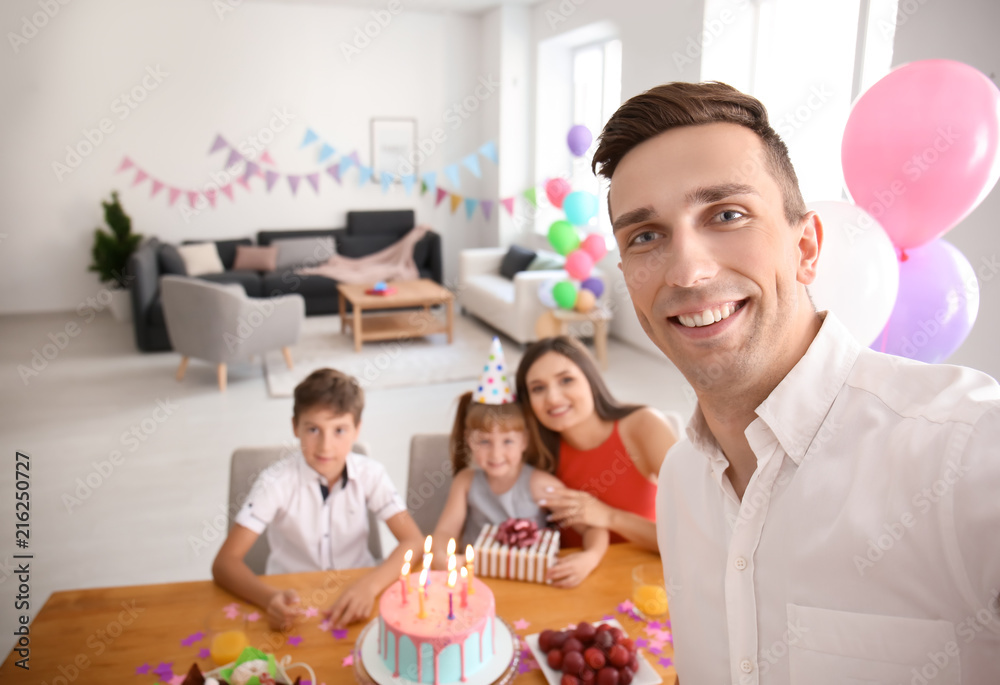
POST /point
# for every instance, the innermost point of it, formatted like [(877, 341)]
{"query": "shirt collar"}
[(349, 473), (796, 408)]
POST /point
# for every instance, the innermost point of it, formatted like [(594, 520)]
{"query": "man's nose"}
[(689, 260)]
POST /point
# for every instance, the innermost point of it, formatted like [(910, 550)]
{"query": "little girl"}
[(492, 481)]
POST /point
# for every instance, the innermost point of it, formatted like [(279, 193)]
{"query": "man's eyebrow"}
[(633, 217), (706, 195)]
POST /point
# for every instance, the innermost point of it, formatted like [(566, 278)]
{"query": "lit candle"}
[(451, 546), (428, 556), (404, 578), (470, 557), (421, 593), (451, 587), (406, 567), (465, 588)]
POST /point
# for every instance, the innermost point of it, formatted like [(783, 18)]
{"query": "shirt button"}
[(740, 563), (746, 666)]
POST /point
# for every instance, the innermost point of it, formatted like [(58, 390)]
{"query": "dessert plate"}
[(644, 676)]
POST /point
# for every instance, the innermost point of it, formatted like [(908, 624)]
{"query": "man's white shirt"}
[(305, 532), (866, 548)]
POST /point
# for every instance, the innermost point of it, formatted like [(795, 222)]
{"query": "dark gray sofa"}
[(365, 233)]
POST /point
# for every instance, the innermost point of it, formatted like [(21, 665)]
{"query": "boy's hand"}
[(571, 570), (354, 604), (282, 610)]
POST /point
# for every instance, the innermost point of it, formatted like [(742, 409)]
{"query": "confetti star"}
[(666, 662), (654, 625), (295, 640), (521, 624), (204, 653), (655, 650), (340, 633), (656, 644), (641, 642), (176, 680), (142, 670), (325, 625), (231, 612), (348, 660), (253, 616), (164, 668), (626, 606), (310, 612), (661, 635), (608, 617)]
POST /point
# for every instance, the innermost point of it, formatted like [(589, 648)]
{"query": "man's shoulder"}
[(938, 393)]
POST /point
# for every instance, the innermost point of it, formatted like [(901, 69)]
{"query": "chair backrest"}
[(246, 465), (198, 314), (429, 479)]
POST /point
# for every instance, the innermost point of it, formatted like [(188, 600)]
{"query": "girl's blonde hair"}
[(485, 417)]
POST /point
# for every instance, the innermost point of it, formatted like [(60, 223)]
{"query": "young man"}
[(314, 507), (834, 516)]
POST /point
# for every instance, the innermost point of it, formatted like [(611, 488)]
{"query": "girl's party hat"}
[(494, 388)]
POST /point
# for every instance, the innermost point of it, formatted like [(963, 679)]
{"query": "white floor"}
[(158, 515)]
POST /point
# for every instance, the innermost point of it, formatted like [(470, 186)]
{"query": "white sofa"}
[(510, 306)]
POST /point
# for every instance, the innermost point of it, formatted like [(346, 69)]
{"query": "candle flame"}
[(408, 556), (469, 554), (464, 571), (452, 563), (451, 578), (427, 545), (406, 569), (451, 546), (423, 578)]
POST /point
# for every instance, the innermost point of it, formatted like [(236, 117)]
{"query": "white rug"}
[(387, 363)]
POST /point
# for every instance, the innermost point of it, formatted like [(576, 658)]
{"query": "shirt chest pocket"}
[(838, 647)]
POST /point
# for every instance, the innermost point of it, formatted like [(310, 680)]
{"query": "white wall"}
[(223, 75), (964, 30)]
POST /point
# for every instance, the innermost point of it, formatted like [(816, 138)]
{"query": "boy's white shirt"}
[(304, 532)]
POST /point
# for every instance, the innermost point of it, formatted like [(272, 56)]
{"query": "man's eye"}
[(643, 237), (730, 215)]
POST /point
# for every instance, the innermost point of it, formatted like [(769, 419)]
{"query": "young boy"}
[(314, 508)]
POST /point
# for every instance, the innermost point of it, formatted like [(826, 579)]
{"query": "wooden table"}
[(101, 636), (598, 317), (423, 293)]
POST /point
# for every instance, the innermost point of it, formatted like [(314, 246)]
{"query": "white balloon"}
[(545, 293), (857, 277)]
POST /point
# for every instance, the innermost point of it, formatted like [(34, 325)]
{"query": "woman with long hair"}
[(607, 454)]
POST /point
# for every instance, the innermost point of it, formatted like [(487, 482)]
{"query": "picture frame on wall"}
[(394, 146)]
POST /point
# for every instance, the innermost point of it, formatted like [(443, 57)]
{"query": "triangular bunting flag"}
[(364, 175), (354, 158), (451, 171), (126, 164), (430, 180), (219, 143), (489, 151), (140, 176), (385, 178), (470, 207), (310, 137), (456, 200), (441, 194), (266, 157), (325, 153), (157, 187), (242, 180), (408, 182), (227, 190), (508, 203), (471, 162), (345, 164), (293, 182), (423, 188), (487, 208), (251, 169), (271, 177), (210, 194), (313, 181), (234, 157), (174, 194), (334, 170), (192, 197), (530, 195)]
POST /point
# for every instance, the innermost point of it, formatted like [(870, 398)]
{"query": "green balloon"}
[(563, 237), (564, 293)]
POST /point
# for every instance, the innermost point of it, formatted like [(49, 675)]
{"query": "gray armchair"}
[(220, 324)]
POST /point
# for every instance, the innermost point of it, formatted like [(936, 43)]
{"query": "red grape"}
[(572, 645), (585, 632), (545, 640), (618, 656), (594, 658), (568, 679), (633, 662), (572, 663), (604, 639), (556, 659), (558, 639), (604, 627), (588, 675), (629, 644), (618, 633), (607, 676), (625, 676)]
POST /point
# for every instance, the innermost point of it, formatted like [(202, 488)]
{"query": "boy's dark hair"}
[(678, 104), (330, 389)]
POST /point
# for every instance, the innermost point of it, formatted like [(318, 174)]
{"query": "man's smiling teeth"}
[(709, 316)]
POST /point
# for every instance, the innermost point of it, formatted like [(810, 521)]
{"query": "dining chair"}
[(429, 479), (246, 464)]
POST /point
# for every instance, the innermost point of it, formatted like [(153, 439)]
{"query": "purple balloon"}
[(579, 139), (936, 307), (594, 285)]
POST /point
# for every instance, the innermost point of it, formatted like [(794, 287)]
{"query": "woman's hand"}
[(282, 610), (576, 508), (354, 604), (570, 570)]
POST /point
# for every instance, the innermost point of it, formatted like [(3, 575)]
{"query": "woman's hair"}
[(485, 417), (542, 440)]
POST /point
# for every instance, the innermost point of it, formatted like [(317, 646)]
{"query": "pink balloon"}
[(920, 149), (595, 247), (579, 264), (556, 189)]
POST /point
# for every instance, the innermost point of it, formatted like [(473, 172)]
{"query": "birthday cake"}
[(516, 550), (453, 640)]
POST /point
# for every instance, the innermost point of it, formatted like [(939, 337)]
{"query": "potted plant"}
[(110, 255)]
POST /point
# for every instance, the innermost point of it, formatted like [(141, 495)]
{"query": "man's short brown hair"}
[(329, 389), (673, 105)]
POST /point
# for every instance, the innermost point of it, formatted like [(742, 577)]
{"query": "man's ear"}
[(810, 244)]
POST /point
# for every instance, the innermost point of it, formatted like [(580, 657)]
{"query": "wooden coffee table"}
[(368, 323)]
